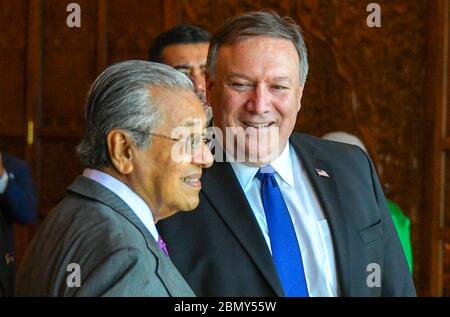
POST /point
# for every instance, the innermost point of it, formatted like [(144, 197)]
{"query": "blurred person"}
[(18, 204), (101, 239), (401, 221), (185, 48)]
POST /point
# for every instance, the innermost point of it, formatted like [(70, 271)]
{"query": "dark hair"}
[(182, 34)]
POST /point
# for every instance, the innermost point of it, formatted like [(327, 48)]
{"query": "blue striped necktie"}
[(283, 240)]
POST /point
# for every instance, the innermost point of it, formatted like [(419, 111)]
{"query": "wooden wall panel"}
[(447, 123), (132, 25), (12, 65), (446, 270), (69, 67), (209, 14), (446, 191), (69, 64), (60, 166), (433, 234), (12, 145)]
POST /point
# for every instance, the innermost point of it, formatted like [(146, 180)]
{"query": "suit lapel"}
[(89, 188), (327, 191), (226, 195)]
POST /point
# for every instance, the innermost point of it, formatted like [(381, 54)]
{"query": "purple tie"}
[(163, 246)]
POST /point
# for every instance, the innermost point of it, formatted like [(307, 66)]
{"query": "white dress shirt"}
[(310, 224), (3, 181), (136, 203)]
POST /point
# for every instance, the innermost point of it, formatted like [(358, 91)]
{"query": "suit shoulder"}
[(90, 220), (327, 148), (13, 164)]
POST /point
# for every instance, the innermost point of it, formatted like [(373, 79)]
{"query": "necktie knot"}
[(265, 172)]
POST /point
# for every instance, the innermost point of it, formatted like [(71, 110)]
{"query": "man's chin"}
[(190, 204), (256, 156)]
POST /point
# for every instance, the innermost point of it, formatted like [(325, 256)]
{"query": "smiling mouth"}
[(258, 125), (192, 181)]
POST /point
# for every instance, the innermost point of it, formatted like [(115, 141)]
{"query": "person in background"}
[(185, 48), (101, 239), (401, 221), (18, 204)]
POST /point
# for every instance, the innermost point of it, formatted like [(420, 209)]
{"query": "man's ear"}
[(121, 151)]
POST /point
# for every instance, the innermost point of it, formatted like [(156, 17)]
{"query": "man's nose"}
[(204, 157), (259, 101), (198, 78)]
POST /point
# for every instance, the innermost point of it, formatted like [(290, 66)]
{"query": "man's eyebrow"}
[(182, 66), (276, 79), (237, 75), (282, 78), (191, 123)]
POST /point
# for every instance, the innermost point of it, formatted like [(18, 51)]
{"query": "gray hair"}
[(258, 23), (120, 98)]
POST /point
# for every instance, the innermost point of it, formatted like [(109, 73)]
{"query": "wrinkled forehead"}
[(276, 57), (176, 54), (179, 107)]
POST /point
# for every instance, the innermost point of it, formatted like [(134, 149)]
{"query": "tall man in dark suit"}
[(17, 205), (286, 214), (101, 239)]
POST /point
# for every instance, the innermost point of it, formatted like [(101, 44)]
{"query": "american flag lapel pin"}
[(322, 173)]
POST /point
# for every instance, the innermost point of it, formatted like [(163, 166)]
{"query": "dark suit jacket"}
[(220, 249), (17, 204), (116, 254)]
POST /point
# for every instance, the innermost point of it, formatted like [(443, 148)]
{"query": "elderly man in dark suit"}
[(144, 151), (285, 214), (17, 205)]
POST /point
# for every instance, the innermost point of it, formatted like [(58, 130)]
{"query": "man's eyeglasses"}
[(193, 141)]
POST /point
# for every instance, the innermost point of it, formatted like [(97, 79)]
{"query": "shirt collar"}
[(282, 165), (136, 203)]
